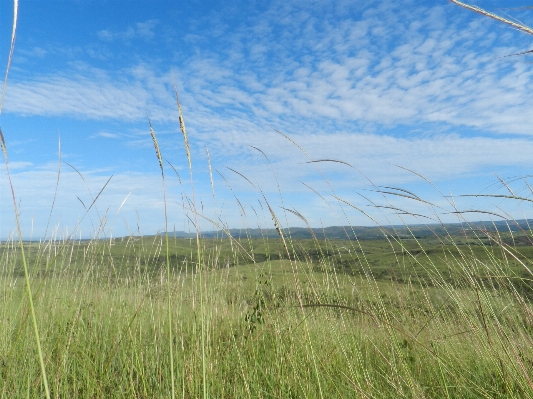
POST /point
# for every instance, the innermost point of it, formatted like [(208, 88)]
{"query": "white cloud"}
[(34, 52), (438, 157), (19, 165), (415, 72), (107, 135), (86, 96), (34, 191), (143, 30)]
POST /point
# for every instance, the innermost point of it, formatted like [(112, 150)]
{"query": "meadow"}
[(396, 316)]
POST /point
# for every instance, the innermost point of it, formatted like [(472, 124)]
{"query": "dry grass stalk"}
[(3, 143), (198, 247), (11, 49), (182, 127), (515, 25), (156, 146)]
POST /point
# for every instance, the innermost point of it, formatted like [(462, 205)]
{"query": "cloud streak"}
[(141, 30), (85, 96)]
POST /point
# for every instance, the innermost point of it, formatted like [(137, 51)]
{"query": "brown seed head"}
[(156, 146), (3, 143)]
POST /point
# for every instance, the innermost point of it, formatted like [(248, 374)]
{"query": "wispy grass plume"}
[(198, 246), (10, 57), (516, 25), (19, 230), (167, 261)]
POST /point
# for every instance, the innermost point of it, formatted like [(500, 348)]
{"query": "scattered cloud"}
[(35, 52), (141, 30), (107, 135), (417, 70), (19, 165), (85, 96), (35, 192), (376, 157)]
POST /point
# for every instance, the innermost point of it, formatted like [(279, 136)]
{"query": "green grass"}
[(409, 319)]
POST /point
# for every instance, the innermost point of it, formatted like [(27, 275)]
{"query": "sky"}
[(313, 108)]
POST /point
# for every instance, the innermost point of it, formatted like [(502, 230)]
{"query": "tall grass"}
[(16, 211), (200, 266), (446, 321), (167, 261)]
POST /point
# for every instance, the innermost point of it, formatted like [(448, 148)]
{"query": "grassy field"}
[(433, 317)]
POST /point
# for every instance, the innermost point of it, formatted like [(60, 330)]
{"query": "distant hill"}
[(367, 233)]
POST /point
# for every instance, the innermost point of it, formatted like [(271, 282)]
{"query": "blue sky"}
[(420, 84)]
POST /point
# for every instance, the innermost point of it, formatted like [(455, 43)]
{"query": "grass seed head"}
[(3, 144), (156, 146), (516, 25), (182, 127)]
